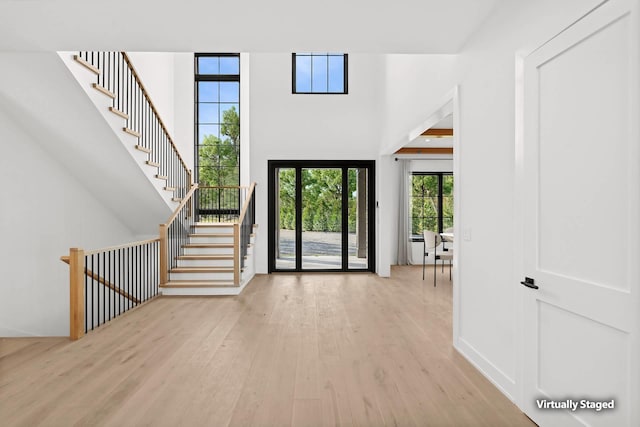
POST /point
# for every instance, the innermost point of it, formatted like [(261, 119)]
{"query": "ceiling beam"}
[(438, 132), (425, 150)]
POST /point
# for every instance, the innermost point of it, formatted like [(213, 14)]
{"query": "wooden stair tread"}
[(104, 91), (119, 113), (211, 235), (131, 132), (162, 177), (154, 164), (85, 64), (143, 149), (213, 225), (199, 284)]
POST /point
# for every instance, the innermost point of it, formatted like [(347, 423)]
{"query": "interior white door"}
[(581, 221)]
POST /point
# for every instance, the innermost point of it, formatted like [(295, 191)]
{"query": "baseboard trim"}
[(503, 382)]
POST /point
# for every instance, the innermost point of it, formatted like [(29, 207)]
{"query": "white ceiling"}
[(363, 26), (445, 123)]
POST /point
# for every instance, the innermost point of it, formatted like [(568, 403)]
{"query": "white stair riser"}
[(208, 251), (226, 290), (205, 263), (212, 230), (201, 276), (201, 239)]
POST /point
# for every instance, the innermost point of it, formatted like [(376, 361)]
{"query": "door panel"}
[(286, 217), (590, 200), (581, 168), (321, 218), (358, 222)]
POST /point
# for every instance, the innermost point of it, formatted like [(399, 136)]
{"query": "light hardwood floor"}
[(293, 349)]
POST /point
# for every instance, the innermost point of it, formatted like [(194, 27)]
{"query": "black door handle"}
[(529, 283)]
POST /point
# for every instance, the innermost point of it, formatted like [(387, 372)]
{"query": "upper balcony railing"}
[(131, 101)]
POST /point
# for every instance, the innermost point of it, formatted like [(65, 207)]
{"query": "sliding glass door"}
[(321, 216)]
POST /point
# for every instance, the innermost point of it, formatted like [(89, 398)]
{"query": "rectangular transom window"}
[(319, 73)]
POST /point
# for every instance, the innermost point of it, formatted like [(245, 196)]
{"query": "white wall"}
[(487, 333), (156, 71), (413, 91), (45, 212), (183, 99), (485, 72), (308, 127), (416, 86)]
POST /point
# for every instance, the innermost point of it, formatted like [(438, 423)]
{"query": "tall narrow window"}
[(319, 73), (431, 203), (217, 119)]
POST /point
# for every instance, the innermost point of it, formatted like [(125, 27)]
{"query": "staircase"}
[(206, 266), (196, 258), (113, 85)]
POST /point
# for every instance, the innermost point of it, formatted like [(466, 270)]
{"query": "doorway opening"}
[(321, 215)]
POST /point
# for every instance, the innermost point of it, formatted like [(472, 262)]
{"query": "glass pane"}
[(447, 201), (208, 113), (229, 65), (424, 204), (321, 218), (208, 65), (303, 73), (285, 241), (208, 91), (229, 92), (230, 117), (336, 74), (208, 133), (319, 74), (216, 173), (358, 218)]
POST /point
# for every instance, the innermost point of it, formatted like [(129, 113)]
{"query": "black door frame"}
[(298, 165)]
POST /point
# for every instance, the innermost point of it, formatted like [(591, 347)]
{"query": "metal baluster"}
[(86, 296), (93, 305)]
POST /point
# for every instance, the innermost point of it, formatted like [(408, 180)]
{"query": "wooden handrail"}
[(184, 201), (153, 107), (95, 276), (65, 258), (126, 245), (246, 202)]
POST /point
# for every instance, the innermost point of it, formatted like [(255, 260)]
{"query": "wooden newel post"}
[(236, 254), (76, 293), (164, 254)]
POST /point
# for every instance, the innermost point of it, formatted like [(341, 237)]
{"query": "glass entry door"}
[(320, 216)]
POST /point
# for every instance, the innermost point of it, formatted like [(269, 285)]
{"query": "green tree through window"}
[(217, 119), (322, 199), (218, 157), (431, 202)]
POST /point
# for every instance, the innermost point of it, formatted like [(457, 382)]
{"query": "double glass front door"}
[(320, 215)]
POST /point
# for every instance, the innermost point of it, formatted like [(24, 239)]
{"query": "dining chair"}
[(445, 240), (431, 242)]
